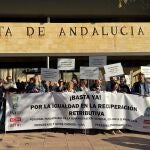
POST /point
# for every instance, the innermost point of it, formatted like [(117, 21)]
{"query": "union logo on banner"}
[(15, 119), (146, 121)]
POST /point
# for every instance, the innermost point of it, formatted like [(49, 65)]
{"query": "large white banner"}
[(104, 110)]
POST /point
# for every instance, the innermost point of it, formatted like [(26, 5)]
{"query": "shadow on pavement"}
[(130, 142)]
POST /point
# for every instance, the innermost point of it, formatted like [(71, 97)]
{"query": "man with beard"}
[(123, 87), (140, 87)]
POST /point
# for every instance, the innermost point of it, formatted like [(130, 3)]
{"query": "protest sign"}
[(107, 78), (146, 71), (97, 61), (90, 73), (49, 74), (114, 70), (65, 64)]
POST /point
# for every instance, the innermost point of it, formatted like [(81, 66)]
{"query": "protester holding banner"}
[(30, 86), (97, 86), (76, 84), (109, 84), (115, 89), (140, 87), (123, 87), (54, 86), (46, 85), (61, 87), (83, 85), (2, 105), (2, 92), (9, 85), (70, 87), (36, 86)]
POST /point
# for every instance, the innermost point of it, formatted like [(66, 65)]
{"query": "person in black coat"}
[(97, 86), (2, 91), (110, 84), (123, 87), (140, 87), (61, 87)]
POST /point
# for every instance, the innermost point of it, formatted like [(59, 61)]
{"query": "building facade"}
[(30, 32)]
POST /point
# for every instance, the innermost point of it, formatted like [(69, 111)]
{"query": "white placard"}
[(49, 74), (128, 80), (65, 64), (97, 61), (107, 78), (114, 70), (146, 71), (90, 73)]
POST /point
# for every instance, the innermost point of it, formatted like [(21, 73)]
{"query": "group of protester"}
[(141, 87), (35, 85)]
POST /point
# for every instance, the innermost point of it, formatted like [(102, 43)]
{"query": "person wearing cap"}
[(140, 87)]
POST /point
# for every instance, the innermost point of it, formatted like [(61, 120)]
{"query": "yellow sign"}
[(82, 38)]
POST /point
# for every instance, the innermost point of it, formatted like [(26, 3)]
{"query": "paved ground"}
[(59, 141)]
